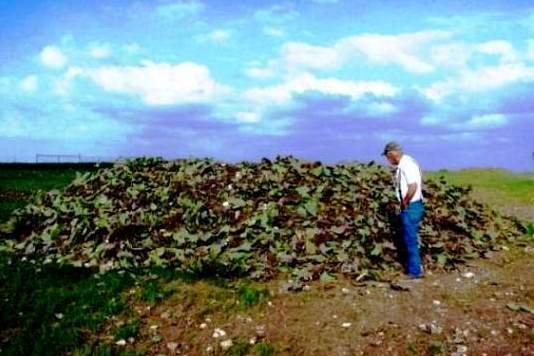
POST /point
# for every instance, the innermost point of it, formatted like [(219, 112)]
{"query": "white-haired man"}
[(408, 187)]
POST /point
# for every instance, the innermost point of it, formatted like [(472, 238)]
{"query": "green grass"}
[(503, 184), (29, 178), (49, 309), (8, 205), (32, 179)]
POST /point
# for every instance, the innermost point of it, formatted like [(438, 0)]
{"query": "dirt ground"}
[(483, 308)]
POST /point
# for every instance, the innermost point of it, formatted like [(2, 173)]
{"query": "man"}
[(408, 182)]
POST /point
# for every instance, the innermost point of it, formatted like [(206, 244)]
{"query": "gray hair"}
[(392, 146)]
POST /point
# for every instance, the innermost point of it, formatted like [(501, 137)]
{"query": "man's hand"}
[(412, 188)]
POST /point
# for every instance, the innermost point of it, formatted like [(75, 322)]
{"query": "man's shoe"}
[(411, 277)]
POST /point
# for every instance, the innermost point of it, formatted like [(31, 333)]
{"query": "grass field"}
[(51, 310)]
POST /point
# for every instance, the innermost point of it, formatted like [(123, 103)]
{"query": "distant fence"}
[(51, 158)]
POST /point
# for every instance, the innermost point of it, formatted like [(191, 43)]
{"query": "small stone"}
[(468, 275), (226, 204), (172, 346), (165, 315), (121, 342), (59, 316), (252, 340), (153, 327), (261, 330), (209, 349), (226, 344), (269, 303), (334, 316), (346, 325), (208, 320), (436, 302), (131, 340), (218, 333), (345, 290), (494, 332), (306, 288), (509, 330), (156, 338), (203, 326)]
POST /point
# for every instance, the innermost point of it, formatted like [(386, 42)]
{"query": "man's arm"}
[(412, 188)]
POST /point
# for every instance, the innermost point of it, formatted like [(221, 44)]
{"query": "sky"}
[(329, 80)]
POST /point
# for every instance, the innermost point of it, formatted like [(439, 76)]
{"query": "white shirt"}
[(408, 172)]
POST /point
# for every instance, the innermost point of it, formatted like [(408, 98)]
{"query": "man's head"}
[(393, 152)]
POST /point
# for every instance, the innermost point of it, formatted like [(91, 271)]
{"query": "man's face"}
[(393, 157)]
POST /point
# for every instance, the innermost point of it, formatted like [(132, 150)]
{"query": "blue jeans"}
[(410, 219)]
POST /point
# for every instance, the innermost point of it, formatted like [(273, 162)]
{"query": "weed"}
[(264, 349), (54, 306)]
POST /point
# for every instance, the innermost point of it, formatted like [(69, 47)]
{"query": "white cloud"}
[(259, 73), (474, 123), (279, 13), (479, 80), (132, 48), (248, 116), (325, 1), (399, 49), (501, 48), (29, 84), (63, 85), (100, 51), (283, 93), (382, 108), (485, 121), (273, 31), (297, 55), (52, 57), (159, 83), (451, 55), (402, 50), (216, 36), (179, 9)]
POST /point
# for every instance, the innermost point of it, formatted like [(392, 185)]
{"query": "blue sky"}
[(320, 79)]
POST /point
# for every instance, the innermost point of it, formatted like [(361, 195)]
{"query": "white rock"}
[(131, 340), (346, 325), (261, 330), (209, 349), (59, 316), (226, 204), (153, 327), (121, 342), (172, 346), (252, 340), (203, 326), (468, 275), (226, 344), (436, 302), (345, 291), (218, 333)]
